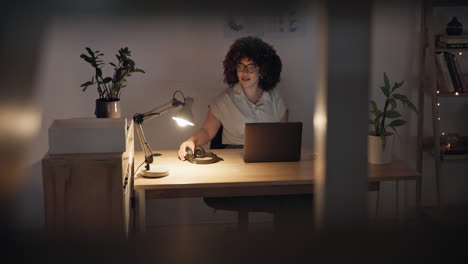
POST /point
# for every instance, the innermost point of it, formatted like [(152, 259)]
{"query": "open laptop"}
[(266, 142)]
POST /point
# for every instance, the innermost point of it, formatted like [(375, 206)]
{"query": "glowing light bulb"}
[(182, 122), (438, 92), (438, 104), (456, 93), (438, 118), (460, 53)]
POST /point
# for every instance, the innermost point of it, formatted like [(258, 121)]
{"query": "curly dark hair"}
[(261, 53)]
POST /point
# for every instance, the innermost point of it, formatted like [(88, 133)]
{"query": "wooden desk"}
[(234, 177)]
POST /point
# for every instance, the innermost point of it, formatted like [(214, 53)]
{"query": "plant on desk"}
[(380, 140), (109, 88)]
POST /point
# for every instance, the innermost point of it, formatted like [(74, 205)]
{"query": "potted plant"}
[(109, 88), (380, 140)]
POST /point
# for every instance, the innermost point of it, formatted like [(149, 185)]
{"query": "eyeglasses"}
[(250, 67)]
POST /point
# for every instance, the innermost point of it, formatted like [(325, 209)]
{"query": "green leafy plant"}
[(380, 119), (110, 88)]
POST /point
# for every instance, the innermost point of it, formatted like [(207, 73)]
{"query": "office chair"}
[(283, 207), (217, 141)]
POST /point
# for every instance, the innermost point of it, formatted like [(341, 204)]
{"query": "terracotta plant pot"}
[(107, 109), (375, 153)]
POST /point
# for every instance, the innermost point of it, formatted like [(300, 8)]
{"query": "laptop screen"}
[(270, 142)]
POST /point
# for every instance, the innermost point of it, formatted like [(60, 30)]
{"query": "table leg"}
[(141, 210), (377, 204), (396, 201), (418, 194), (243, 221)]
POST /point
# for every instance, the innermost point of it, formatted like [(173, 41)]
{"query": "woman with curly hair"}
[(251, 69)]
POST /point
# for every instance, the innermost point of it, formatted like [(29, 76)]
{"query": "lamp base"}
[(155, 172)]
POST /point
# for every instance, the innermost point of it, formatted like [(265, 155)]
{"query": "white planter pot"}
[(375, 154)]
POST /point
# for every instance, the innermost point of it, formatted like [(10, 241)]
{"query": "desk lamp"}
[(183, 118)]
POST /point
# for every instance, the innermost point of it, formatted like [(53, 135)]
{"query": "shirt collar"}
[(266, 97), (238, 89)]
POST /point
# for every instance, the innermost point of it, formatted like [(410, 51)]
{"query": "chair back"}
[(217, 141)]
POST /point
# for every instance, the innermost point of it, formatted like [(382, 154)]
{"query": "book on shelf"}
[(444, 45), (444, 81), (465, 79), (456, 45), (460, 75), (453, 72), (452, 42), (453, 38)]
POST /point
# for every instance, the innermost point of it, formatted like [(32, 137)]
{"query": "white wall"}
[(395, 40), (186, 52), (177, 52)]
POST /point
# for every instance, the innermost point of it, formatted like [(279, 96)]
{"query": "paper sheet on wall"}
[(289, 23)]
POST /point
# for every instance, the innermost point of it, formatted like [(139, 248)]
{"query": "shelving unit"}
[(88, 195), (428, 87)]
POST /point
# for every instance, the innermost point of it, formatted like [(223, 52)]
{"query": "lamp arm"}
[(139, 118), (158, 107), (145, 146), (151, 114)]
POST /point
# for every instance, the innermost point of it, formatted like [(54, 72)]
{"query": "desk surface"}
[(235, 177)]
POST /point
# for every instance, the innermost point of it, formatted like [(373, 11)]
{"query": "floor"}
[(416, 240), (437, 235)]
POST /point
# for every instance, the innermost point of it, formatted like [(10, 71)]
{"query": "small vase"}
[(454, 27), (375, 153), (107, 109)]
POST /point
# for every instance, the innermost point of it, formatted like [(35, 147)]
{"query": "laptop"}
[(269, 142)]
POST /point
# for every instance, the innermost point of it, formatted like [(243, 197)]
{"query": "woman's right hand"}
[(189, 143)]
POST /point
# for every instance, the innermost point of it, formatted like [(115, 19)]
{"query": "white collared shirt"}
[(233, 109)]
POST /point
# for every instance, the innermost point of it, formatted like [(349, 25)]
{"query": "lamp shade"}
[(185, 117)]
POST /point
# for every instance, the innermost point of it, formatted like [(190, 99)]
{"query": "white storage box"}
[(88, 135)]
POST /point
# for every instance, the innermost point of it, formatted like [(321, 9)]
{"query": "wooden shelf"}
[(450, 49), (428, 148), (453, 160), (443, 158), (451, 94)]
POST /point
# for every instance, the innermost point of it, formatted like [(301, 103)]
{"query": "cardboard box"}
[(88, 135)]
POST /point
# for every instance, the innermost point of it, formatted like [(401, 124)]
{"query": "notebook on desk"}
[(268, 142)]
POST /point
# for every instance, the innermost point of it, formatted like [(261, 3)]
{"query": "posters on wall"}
[(289, 23)]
